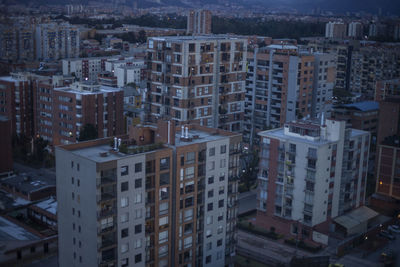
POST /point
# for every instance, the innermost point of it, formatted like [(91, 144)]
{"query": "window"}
[(125, 262), (164, 178), (211, 165), (163, 251), (189, 202), (124, 186), (124, 248), (219, 255), (138, 198), (210, 193), (163, 222), (164, 193), (209, 220), (124, 232), (189, 173), (138, 229), (220, 229), (33, 248), (138, 183), (209, 246), (211, 180), (138, 243), (138, 258), (163, 208), (221, 190), (210, 207), (221, 203), (72, 180), (124, 217), (188, 215), (79, 182), (187, 242), (138, 167), (220, 217), (190, 157), (163, 237), (219, 242), (124, 170), (208, 259), (211, 152), (223, 149), (222, 163), (138, 214), (164, 164), (124, 202)]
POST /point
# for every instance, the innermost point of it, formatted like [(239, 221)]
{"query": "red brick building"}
[(6, 160)]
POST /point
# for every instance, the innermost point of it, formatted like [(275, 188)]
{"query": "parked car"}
[(394, 229), (387, 235)]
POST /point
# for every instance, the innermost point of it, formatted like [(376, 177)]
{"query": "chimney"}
[(186, 132), (183, 131), (115, 143)]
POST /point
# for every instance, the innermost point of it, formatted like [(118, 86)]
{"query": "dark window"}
[(208, 259), (211, 180), (72, 180), (138, 258), (221, 203), (46, 247), (223, 149), (124, 232), (164, 178), (219, 242), (211, 151), (138, 167), (210, 207), (138, 229), (210, 193), (124, 186), (33, 249), (77, 166), (19, 254), (138, 183)]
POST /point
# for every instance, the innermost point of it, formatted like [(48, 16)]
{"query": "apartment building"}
[(197, 79), (371, 64), (387, 89), (199, 22), (84, 68), (17, 42), (144, 203), (325, 65), (388, 171), (335, 29), (6, 157), (310, 172), (16, 102), (355, 30), (283, 84), (56, 41)]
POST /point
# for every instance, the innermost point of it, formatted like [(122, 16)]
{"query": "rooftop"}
[(28, 182), (49, 205), (196, 137), (363, 106), (87, 88), (197, 38), (11, 231)]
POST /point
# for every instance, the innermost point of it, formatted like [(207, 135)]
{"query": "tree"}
[(88, 132)]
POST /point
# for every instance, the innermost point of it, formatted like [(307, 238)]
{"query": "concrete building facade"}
[(149, 204), (197, 79), (199, 22), (310, 173)]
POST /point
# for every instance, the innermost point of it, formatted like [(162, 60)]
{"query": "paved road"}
[(247, 201)]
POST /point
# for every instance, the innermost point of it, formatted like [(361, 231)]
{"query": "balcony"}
[(107, 244), (106, 228), (107, 180), (106, 213)]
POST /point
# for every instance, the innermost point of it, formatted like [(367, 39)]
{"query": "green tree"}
[(88, 132)]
